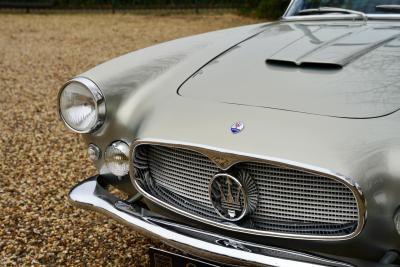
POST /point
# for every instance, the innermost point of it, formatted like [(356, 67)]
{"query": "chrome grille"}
[(290, 201)]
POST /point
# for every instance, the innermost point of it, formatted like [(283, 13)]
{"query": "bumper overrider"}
[(92, 194)]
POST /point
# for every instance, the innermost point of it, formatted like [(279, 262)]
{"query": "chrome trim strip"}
[(91, 194), (338, 10), (339, 17), (286, 17), (384, 16), (352, 17), (225, 159), (99, 102), (288, 8)]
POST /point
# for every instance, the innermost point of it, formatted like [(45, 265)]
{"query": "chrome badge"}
[(237, 127), (233, 197)]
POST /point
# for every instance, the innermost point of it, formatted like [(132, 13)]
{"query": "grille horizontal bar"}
[(290, 201)]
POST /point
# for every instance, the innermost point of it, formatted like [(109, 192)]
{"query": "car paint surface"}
[(335, 71), (142, 103)]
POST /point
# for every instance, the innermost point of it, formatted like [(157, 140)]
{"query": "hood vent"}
[(305, 65)]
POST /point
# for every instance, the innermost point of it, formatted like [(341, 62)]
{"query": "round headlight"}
[(117, 158), (81, 105)]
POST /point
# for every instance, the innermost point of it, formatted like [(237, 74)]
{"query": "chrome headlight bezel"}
[(98, 99)]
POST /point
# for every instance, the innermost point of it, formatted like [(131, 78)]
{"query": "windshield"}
[(365, 6)]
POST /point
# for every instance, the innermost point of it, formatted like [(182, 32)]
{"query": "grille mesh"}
[(289, 201)]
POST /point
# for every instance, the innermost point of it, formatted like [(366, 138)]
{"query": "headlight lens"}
[(117, 158), (81, 105)]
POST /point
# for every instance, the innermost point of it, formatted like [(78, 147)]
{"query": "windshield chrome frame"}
[(286, 17)]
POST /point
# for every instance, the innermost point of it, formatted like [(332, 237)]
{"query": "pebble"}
[(40, 160)]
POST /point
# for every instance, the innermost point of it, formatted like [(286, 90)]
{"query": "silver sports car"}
[(272, 144)]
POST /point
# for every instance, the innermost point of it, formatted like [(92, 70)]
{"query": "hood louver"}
[(306, 65)]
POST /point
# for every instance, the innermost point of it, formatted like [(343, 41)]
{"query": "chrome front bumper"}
[(92, 194)]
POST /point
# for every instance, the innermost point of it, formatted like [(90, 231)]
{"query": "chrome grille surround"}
[(280, 213)]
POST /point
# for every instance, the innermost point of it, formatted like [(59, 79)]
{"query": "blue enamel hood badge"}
[(237, 127)]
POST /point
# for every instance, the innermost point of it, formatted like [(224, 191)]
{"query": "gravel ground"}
[(39, 159)]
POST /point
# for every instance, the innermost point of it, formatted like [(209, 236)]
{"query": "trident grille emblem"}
[(233, 197), (228, 197), (229, 202)]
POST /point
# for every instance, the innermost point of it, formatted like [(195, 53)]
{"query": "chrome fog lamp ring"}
[(94, 152), (116, 158), (96, 98)]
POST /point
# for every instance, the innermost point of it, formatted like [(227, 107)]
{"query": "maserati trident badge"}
[(233, 197), (237, 127)]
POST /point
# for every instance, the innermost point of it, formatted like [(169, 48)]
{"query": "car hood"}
[(339, 69)]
